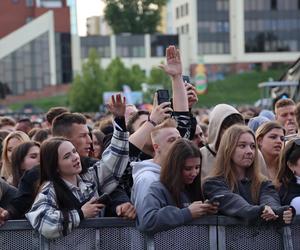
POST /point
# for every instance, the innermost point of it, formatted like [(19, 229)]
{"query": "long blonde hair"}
[(224, 165), (6, 170)]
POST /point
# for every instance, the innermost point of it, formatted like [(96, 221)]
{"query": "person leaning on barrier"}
[(221, 118), (7, 193), (288, 176), (177, 198), (102, 177), (236, 176), (109, 169)]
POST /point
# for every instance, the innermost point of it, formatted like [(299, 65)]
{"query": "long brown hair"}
[(224, 165), (172, 167), (17, 158), (291, 155), (6, 170)]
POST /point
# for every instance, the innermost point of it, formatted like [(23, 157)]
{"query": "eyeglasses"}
[(296, 143)]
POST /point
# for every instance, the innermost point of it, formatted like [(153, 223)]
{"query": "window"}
[(273, 4), (187, 9), (177, 12)]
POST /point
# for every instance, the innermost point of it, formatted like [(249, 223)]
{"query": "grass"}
[(43, 103), (237, 89)]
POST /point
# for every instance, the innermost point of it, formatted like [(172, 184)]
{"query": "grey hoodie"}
[(158, 210), (143, 174), (216, 118)]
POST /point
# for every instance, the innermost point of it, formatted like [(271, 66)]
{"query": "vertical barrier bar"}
[(213, 238), (287, 238), (44, 243), (97, 239), (221, 236), (149, 242)]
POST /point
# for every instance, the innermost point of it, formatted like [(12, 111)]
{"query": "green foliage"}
[(116, 75), (237, 89), (44, 103), (159, 77), (138, 76), (133, 16), (86, 91)]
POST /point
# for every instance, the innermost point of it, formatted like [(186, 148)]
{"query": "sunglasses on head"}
[(296, 143)]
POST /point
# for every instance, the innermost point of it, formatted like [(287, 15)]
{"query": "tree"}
[(137, 77), (133, 16), (86, 90), (159, 77), (116, 75)]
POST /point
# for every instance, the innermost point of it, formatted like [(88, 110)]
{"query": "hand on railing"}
[(126, 210), (3, 216), (268, 214), (288, 216), (91, 208)]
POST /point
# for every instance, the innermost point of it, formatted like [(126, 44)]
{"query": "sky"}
[(87, 8)]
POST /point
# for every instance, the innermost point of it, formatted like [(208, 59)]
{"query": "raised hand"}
[(173, 67), (160, 112), (192, 94), (117, 106)]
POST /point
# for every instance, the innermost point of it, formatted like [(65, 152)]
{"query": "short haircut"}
[(7, 121), (133, 119), (54, 112), (168, 123), (284, 103), (297, 114), (62, 124)]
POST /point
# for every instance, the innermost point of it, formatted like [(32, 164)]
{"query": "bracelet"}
[(152, 122)]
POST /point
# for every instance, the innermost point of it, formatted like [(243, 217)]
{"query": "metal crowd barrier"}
[(211, 232)]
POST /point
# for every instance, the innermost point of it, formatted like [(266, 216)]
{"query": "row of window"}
[(128, 46), (184, 29), (213, 48), (213, 27), (182, 10), (272, 24), (271, 5)]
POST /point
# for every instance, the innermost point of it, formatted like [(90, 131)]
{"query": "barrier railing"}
[(211, 232)]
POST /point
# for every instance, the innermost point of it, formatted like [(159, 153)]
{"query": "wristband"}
[(151, 121)]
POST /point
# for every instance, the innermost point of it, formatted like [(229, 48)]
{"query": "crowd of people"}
[(162, 168)]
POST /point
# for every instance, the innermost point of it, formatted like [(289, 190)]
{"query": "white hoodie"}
[(144, 173)]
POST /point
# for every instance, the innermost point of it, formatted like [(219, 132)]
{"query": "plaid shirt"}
[(45, 216)]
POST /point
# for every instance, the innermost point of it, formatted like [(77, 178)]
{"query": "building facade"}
[(224, 32), (145, 50), (37, 44)]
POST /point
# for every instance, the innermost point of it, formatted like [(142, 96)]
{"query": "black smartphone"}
[(162, 96), (104, 199), (216, 198), (186, 79)]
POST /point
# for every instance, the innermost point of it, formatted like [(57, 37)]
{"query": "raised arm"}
[(114, 160), (157, 115), (174, 69)]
